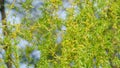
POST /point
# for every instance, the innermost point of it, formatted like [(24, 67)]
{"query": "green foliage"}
[(91, 38)]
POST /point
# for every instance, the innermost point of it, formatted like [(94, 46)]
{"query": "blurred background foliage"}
[(62, 34)]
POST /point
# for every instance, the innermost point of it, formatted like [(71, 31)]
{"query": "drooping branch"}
[(5, 32), (2, 9)]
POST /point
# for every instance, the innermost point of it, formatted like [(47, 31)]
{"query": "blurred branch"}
[(5, 32)]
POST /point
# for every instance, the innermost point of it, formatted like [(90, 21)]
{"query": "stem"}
[(5, 32)]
